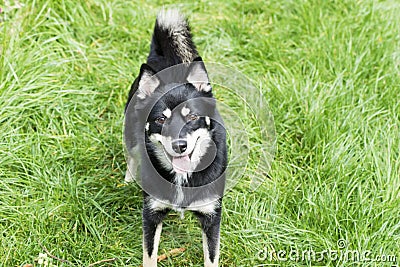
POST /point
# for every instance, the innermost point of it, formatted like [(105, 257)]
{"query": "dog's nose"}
[(179, 146)]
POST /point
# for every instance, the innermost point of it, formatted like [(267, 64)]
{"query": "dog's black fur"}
[(155, 109)]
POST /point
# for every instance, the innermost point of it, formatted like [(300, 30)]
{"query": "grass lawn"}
[(329, 71)]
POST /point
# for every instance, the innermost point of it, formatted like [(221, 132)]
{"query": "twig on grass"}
[(54, 257), (102, 261), (171, 253), (70, 263)]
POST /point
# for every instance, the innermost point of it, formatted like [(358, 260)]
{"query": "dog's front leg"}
[(152, 225), (210, 224)]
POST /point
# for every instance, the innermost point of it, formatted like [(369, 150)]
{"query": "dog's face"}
[(179, 126)]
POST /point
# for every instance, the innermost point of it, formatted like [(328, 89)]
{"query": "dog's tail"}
[(172, 40)]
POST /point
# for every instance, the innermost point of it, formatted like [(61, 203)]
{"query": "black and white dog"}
[(174, 132)]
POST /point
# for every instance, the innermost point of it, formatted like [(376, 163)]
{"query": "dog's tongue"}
[(181, 164)]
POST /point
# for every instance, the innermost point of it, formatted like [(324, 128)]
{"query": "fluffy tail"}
[(172, 41)]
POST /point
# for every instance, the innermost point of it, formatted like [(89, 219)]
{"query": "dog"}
[(175, 138)]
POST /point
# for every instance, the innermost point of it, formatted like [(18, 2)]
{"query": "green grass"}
[(329, 71)]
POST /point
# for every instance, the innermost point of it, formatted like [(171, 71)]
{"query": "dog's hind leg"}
[(133, 165), (128, 175), (152, 225), (210, 224)]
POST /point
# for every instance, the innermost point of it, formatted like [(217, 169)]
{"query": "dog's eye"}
[(160, 120), (192, 117)]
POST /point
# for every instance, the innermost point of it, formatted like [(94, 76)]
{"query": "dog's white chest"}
[(205, 206)]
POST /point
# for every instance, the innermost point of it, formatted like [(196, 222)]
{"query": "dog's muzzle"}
[(179, 145)]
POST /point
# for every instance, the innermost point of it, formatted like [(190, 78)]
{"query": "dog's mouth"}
[(183, 164)]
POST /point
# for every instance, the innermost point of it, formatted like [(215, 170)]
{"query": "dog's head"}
[(180, 123)]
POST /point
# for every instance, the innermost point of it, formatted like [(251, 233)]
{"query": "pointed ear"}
[(198, 76), (148, 81)]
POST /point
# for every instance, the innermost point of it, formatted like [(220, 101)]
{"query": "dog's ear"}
[(197, 75), (148, 81)]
